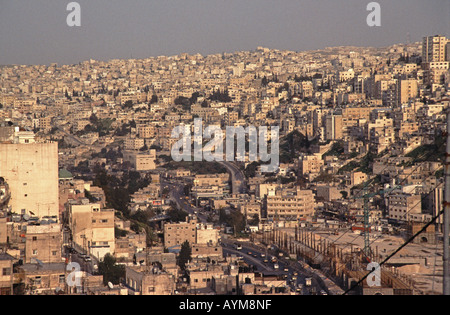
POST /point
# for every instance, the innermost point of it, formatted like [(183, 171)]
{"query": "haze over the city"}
[(35, 32)]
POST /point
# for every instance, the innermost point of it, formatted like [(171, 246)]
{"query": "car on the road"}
[(276, 266), (87, 259), (308, 282)]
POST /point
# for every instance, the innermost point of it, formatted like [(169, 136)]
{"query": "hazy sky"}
[(35, 31)]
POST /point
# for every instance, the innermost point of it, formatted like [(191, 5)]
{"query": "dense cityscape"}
[(92, 201)]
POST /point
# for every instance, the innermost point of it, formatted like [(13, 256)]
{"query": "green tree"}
[(110, 270), (185, 255)]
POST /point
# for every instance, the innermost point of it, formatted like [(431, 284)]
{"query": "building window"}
[(6, 271), (37, 280)]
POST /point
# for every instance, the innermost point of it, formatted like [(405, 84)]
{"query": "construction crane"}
[(366, 196)]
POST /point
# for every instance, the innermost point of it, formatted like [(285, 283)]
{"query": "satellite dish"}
[(110, 285), (26, 217)]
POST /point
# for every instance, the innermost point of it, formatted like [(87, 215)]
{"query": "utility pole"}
[(366, 224), (446, 230)]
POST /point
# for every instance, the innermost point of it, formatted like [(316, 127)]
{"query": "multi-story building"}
[(149, 280), (6, 274), (31, 171), (310, 164), (134, 143), (403, 206), (407, 90), (43, 243), (434, 48), (333, 127), (289, 205), (141, 161), (92, 228), (176, 234)]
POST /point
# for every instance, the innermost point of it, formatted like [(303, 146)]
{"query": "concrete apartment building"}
[(250, 209), (289, 205), (141, 161), (333, 127), (149, 280), (31, 171), (435, 59), (211, 180), (176, 234), (310, 165), (92, 228), (6, 274), (434, 48), (134, 143), (403, 206), (407, 90), (44, 243), (42, 278)]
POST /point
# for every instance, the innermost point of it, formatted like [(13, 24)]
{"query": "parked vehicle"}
[(308, 282)]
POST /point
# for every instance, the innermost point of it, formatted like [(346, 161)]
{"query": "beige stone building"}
[(134, 143), (357, 178), (251, 209), (289, 205), (310, 164), (141, 161), (6, 274), (211, 180), (333, 127), (206, 234), (434, 48), (176, 234), (43, 242), (92, 228), (31, 171), (403, 206), (42, 279), (407, 90), (148, 280)]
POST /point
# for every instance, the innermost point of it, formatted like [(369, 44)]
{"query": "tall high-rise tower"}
[(434, 49)]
